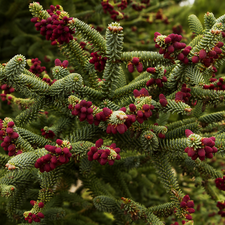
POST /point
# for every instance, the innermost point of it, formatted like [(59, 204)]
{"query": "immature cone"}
[(162, 100), (151, 70), (202, 54), (188, 132), (40, 204), (135, 60), (195, 59), (130, 67), (150, 82), (139, 67)]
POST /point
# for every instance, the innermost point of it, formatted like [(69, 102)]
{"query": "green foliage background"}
[(18, 35)]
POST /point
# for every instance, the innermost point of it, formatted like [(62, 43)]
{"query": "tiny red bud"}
[(195, 59), (130, 67), (40, 204), (151, 70), (135, 60), (202, 54)]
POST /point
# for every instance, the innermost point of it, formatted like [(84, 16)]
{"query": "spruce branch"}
[(89, 34), (151, 109)]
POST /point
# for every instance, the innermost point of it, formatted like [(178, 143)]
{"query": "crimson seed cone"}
[(139, 67), (135, 60), (195, 59), (99, 143), (151, 70), (130, 67), (188, 132)]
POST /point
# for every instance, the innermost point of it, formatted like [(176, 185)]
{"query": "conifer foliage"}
[(113, 136)]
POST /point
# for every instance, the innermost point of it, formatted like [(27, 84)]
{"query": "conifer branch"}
[(124, 121)]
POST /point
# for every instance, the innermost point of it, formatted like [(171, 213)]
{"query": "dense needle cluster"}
[(131, 209), (123, 112)]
